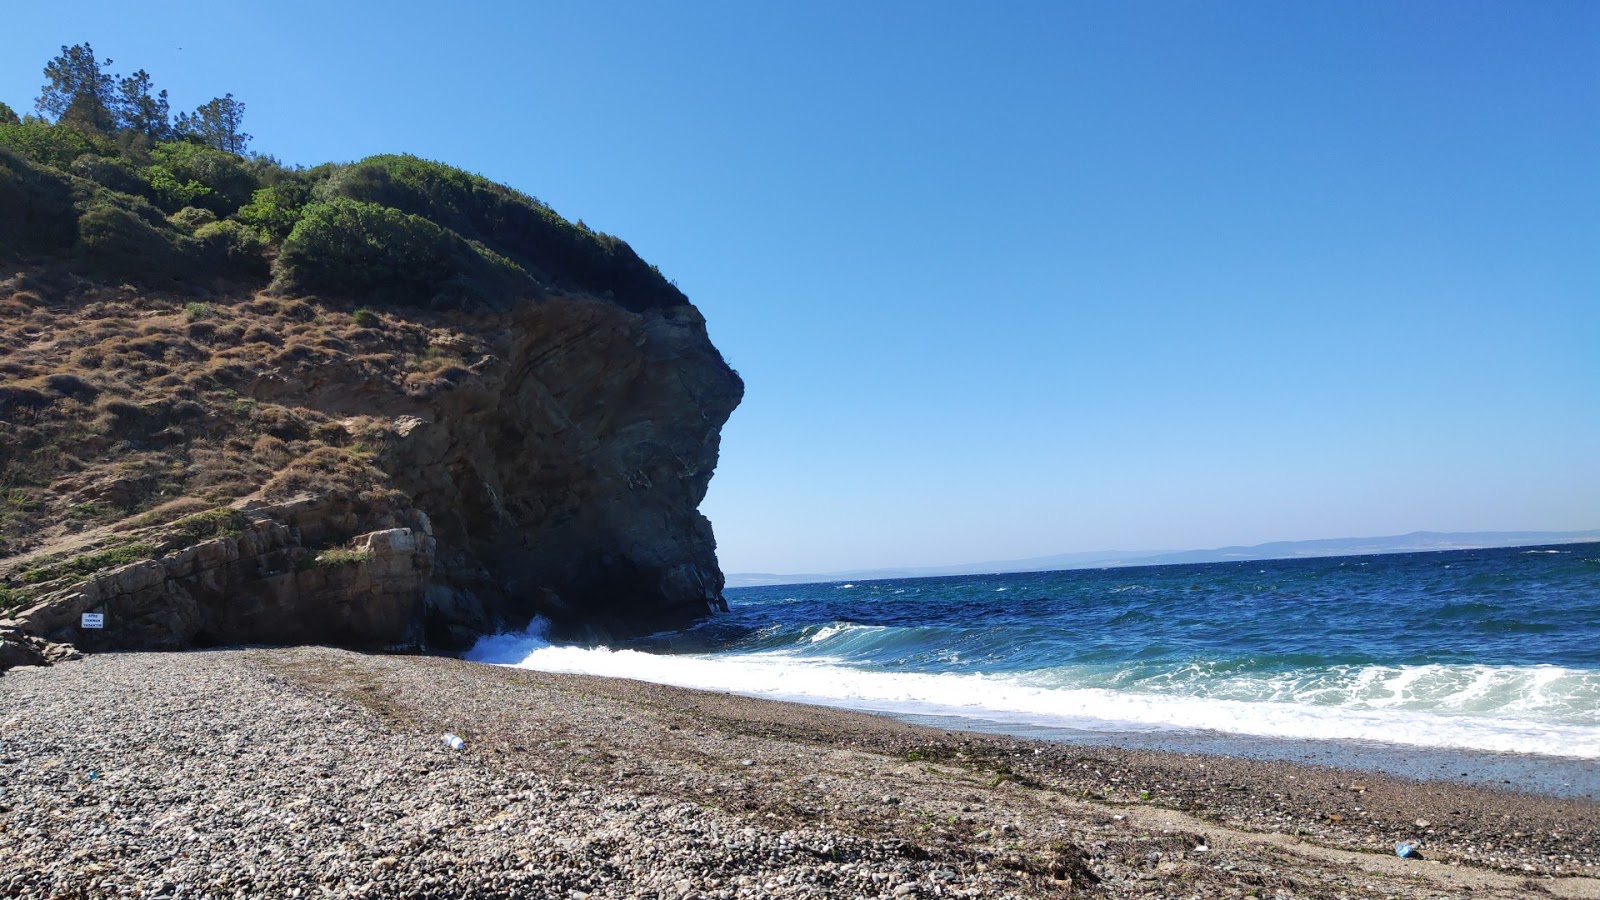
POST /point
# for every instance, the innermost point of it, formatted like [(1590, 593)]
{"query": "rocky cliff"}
[(205, 459)]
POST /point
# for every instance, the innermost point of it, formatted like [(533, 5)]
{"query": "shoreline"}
[(262, 770), (1572, 777)]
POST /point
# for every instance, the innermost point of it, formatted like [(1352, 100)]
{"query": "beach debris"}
[(1424, 823), (453, 742), (1201, 848), (1406, 850)]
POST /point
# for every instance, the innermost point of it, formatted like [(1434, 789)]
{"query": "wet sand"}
[(1558, 776), (266, 771)]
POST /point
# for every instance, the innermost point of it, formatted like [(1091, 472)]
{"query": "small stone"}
[(1423, 823), (906, 889)]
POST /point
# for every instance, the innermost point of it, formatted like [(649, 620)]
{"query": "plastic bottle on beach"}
[(453, 742)]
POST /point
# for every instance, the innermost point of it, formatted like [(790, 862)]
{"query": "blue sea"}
[(1469, 651)]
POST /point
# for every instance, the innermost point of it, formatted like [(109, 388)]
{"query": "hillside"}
[(369, 403)]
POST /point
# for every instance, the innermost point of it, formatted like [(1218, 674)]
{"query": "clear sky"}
[(1014, 279)]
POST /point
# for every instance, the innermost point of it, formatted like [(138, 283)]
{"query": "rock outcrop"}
[(262, 586), (448, 411), (557, 473), (563, 471)]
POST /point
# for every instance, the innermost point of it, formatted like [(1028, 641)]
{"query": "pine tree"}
[(219, 123), (8, 116), (79, 89), (139, 111)]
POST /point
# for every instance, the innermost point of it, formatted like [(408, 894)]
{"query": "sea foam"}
[(1490, 708)]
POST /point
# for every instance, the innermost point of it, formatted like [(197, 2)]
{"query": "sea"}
[(1471, 665)]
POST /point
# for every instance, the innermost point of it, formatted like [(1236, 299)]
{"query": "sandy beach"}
[(315, 772)]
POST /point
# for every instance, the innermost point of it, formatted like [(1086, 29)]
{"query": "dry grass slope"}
[(129, 412)]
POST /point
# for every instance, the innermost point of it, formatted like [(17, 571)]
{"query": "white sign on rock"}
[(94, 620)]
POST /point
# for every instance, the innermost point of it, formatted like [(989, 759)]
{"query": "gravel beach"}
[(314, 772)]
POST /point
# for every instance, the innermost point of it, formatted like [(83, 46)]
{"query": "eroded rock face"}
[(563, 475)]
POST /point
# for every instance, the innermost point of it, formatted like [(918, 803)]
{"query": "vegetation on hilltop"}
[(104, 175)]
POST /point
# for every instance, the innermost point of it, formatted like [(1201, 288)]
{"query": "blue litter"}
[(1406, 850)]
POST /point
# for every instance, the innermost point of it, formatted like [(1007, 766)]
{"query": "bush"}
[(360, 249), (121, 244), (531, 234), (233, 249), (88, 563), (53, 145), (185, 174), (112, 173), (192, 217), (220, 522), (342, 557), (276, 208)]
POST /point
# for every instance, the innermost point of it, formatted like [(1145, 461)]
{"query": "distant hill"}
[(1416, 541)]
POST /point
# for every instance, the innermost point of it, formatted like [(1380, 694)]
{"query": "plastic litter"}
[(453, 742), (1406, 850)]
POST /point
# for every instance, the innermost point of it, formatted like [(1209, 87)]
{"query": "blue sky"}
[(1005, 282)]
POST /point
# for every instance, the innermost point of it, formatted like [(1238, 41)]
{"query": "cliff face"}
[(555, 469), (449, 411), (563, 475)]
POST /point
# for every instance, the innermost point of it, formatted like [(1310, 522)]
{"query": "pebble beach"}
[(314, 772)]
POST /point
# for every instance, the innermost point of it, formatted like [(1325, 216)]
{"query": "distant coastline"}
[(1415, 542)]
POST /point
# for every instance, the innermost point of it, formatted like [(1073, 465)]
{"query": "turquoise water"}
[(1480, 650)]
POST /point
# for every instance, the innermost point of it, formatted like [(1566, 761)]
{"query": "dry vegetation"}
[(124, 410)]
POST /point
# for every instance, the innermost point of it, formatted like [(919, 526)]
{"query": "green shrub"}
[(276, 208), (53, 145), (366, 318), (13, 599), (341, 557), (515, 225), (121, 244), (185, 174), (115, 174), (174, 193), (88, 563), (213, 523), (361, 249), (197, 311), (192, 217), (234, 249)]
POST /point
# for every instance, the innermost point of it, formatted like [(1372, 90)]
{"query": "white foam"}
[(1379, 712)]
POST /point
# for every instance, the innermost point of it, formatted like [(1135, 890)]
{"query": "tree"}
[(79, 89), (8, 116), (219, 123), (139, 111)]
